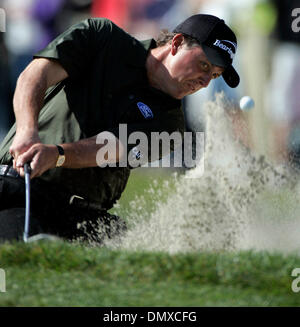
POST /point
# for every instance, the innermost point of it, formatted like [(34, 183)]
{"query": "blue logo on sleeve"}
[(145, 110)]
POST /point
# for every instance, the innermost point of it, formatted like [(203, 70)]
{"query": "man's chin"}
[(180, 94), (177, 95)]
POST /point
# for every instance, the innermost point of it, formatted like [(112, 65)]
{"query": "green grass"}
[(63, 274), (146, 187)]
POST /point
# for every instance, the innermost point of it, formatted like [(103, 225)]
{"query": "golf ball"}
[(246, 103)]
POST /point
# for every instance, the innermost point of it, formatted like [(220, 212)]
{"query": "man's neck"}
[(156, 70)]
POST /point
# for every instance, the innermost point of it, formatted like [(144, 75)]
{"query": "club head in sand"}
[(42, 237)]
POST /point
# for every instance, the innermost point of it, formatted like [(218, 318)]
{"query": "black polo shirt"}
[(106, 86)]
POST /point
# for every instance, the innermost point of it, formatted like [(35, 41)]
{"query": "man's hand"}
[(23, 141), (42, 157)]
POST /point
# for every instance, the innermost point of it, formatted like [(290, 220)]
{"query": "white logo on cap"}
[(224, 47)]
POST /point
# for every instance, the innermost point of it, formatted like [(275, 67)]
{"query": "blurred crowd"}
[(283, 91), (273, 82)]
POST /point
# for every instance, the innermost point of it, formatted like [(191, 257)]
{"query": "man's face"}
[(188, 68)]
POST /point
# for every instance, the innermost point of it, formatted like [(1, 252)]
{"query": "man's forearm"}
[(84, 153), (80, 154)]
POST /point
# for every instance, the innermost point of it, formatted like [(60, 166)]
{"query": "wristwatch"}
[(61, 156)]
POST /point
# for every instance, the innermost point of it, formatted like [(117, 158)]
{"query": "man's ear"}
[(177, 41)]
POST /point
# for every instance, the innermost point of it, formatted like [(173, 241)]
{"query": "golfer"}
[(72, 98)]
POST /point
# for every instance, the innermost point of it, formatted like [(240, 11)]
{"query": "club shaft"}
[(27, 197)]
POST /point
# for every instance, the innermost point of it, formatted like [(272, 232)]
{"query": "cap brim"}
[(230, 75)]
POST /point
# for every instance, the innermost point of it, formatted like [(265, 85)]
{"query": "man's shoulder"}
[(97, 26), (102, 23), (124, 45)]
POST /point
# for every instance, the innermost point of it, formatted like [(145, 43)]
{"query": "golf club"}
[(37, 237), (27, 197)]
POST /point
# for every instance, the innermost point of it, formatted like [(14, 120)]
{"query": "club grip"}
[(27, 168)]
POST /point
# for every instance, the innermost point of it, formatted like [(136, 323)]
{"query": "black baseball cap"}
[(218, 42)]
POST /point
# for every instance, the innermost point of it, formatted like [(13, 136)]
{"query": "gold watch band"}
[(61, 156)]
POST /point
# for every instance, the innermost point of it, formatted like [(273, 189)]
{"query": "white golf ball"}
[(246, 103)]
